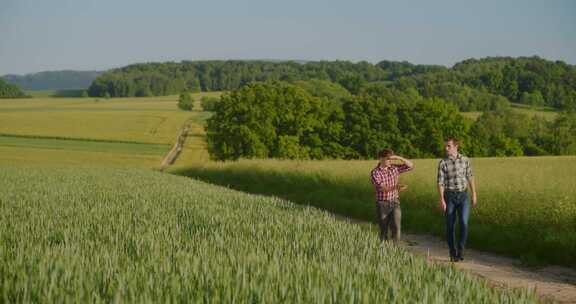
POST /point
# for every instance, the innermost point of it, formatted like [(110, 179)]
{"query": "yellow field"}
[(154, 120), (195, 148), (149, 120)]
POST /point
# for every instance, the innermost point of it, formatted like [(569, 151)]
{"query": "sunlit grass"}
[(101, 235), (527, 206), (45, 123), (148, 120)]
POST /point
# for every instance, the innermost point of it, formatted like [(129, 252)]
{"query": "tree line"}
[(472, 85), (152, 79), (297, 121), (527, 80)]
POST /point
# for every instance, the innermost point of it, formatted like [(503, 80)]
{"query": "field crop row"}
[(527, 206), (149, 120), (119, 235), (82, 145)]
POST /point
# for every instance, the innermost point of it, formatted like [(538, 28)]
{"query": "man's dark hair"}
[(454, 140), (386, 153)]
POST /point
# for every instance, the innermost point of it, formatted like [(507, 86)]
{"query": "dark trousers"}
[(456, 208), (389, 216)]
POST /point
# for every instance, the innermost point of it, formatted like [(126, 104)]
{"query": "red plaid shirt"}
[(387, 177)]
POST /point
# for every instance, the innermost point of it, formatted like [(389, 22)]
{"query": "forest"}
[(472, 85)]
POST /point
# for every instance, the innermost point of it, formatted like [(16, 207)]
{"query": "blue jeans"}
[(456, 207)]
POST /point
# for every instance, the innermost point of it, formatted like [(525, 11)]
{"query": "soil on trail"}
[(551, 282), (554, 283), (175, 151)]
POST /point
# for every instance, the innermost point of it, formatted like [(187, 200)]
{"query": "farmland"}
[(117, 131), (130, 235), (521, 213), (38, 151), (155, 237), (154, 120)]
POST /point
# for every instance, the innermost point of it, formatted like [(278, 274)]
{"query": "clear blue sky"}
[(39, 35)]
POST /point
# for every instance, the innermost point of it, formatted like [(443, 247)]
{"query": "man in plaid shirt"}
[(385, 180), (454, 175)]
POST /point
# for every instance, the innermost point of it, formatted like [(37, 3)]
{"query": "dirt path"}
[(551, 283), (173, 153)]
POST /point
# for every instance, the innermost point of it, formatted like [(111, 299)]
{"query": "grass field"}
[(132, 235), (547, 113), (40, 93), (38, 157), (139, 120), (128, 235), (195, 149), (82, 145), (63, 152), (527, 206), (56, 93), (90, 129)]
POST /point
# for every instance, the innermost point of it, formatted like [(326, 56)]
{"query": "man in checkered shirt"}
[(385, 180), (454, 176)]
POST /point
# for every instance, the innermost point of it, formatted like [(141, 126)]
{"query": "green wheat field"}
[(527, 205), (134, 235), (85, 216)]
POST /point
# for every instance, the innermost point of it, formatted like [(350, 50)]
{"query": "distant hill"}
[(53, 80)]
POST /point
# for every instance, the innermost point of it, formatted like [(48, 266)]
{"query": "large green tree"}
[(185, 101), (281, 120), (564, 135), (10, 91), (274, 119)]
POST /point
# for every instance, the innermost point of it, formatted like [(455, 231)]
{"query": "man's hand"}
[(442, 205), (385, 188), (402, 187), (403, 160), (473, 188)]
